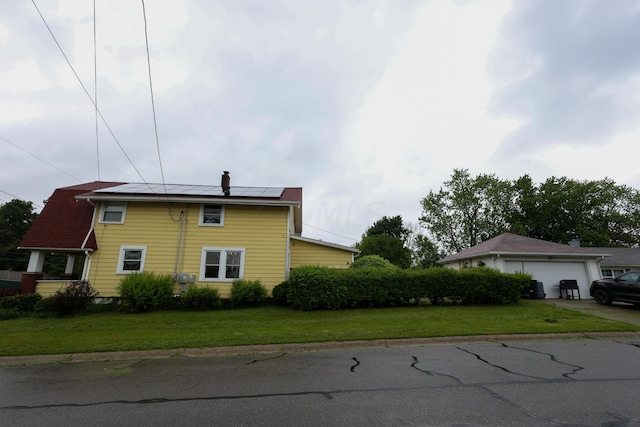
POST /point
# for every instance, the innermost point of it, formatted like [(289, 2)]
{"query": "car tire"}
[(602, 297)]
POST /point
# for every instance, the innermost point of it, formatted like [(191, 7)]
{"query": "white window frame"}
[(113, 206), (223, 264), (210, 224), (123, 249)]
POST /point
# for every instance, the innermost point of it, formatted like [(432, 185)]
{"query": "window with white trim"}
[(211, 215), (221, 264), (131, 259), (113, 212)]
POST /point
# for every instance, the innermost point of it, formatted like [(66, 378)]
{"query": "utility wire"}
[(153, 105), (88, 95), (95, 84), (39, 158), (329, 232)]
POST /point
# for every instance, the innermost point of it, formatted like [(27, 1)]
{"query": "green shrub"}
[(280, 293), (372, 261), (247, 293), (200, 298), (146, 291), (373, 286), (72, 299), (9, 313), (21, 302), (315, 287)]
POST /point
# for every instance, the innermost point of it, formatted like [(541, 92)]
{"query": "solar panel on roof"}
[(192, 190)]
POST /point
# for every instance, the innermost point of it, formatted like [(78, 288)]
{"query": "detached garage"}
[(547, 262)]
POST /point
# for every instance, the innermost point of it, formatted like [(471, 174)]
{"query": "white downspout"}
[(87, 260), (288, 254)]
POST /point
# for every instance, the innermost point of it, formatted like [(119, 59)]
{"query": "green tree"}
[(467, 210), (388, 247), (391, 226), (387, 238), (597, 213), (425, 253), (16, 217)]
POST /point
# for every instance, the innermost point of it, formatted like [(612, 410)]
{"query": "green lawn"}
[(274, 325)]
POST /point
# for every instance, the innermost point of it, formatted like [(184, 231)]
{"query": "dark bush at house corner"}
[(146, 291), (72, 299), (317, 288), (247, 293), (23, 303), (8, 292), (200, 298), (280, 293)]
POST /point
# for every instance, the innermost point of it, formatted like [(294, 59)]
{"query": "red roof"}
[(64, 222)]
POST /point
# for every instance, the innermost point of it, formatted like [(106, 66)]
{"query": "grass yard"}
[(276, 325)]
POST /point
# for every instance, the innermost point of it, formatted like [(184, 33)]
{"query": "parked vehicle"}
[(624, 288)]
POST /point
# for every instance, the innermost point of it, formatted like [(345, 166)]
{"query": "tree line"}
[(468, 210)]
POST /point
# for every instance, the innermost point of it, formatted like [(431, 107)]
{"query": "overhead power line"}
[(153, 104), (88, 95), (40, 158), (95, 85)]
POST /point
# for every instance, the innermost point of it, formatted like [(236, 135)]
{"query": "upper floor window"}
[(211, 215), (131, 259), (113, 212)]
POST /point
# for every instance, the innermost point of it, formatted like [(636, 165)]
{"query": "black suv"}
[(625, 288)]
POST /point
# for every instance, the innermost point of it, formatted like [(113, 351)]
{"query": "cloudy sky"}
[(365, 104)]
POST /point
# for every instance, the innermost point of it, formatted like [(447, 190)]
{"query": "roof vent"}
[(226, 183)]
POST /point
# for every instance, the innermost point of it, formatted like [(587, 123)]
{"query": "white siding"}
[(550, 273)]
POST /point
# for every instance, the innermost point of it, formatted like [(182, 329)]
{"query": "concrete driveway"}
[(617, 311)]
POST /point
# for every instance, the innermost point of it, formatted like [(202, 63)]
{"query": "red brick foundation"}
[(29, 282)]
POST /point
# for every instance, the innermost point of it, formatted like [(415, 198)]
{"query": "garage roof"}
[(513, 244)]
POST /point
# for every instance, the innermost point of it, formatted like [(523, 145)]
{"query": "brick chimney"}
[(226, 183)]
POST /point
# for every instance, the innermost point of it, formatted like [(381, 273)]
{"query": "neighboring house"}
[(547, 262), (620, 261), (211, 235)]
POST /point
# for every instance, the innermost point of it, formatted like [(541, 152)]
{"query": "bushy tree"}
[(16, 217), (466, 210), (469, 210), (390, 248)]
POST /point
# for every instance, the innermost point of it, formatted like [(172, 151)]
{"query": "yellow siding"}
[(49, 287), (307, 253), (261, 231)]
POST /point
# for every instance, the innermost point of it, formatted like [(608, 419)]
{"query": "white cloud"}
[(23, 77)]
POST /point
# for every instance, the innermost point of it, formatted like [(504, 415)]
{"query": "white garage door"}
[(550, 273)]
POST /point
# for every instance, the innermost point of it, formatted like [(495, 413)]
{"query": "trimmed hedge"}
[(315, 287)]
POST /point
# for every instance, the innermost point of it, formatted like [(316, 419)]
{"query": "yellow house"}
[(209, 235)]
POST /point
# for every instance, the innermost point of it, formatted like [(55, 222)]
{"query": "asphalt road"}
[(572, 382)]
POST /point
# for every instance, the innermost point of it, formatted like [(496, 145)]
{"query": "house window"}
[(615, 272), (221, 264), (211, 215), (131, 259), (113, 212)]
